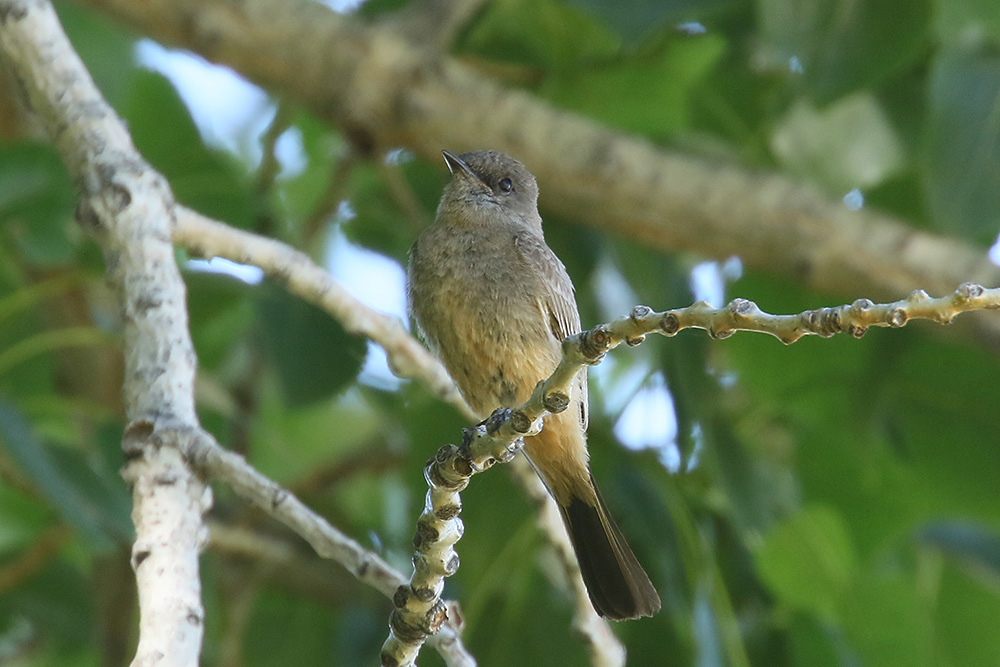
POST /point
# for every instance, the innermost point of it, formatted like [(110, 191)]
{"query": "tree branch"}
[(128, 208), (384, 89)]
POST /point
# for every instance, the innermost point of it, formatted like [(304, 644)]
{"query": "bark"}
[(128, 208)]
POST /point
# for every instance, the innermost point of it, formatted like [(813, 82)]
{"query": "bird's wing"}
[(557, 300)]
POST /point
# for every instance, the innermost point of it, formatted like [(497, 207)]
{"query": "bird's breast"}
[(478, 304)]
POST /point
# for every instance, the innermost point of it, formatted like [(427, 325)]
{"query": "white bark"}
[(128, 208)]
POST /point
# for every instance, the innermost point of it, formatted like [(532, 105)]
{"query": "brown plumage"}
[(494, 303)]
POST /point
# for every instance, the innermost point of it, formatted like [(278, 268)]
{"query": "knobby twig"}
[(419, 610), (128, 208)]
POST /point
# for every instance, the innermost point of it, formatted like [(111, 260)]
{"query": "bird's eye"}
[(506, 185)]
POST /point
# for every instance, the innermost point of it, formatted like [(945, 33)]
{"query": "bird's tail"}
[(618, 586)]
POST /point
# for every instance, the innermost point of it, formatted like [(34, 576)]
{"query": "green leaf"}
[(22, 519), (967, 618), (86, 503), (220, 308), (106, 49), (843, 45), (967, 22), (812, 642), (808, 560), (163, 131), (379, 223), (322, 147), (636, 19), (886, 621), (963, 141), (36, 203), (648, 93), (312, 354), (544, 33)]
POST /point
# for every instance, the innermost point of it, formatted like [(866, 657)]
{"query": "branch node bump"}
[(555, 402), (423, 594), (670, 324), (426, 533), (639, 312), (968, 292), (856, 330), (437, 615), (509, 452), (499, 417), (400, 597), (742, 307), (862, 305), (790, 337), (405, 631), (898, 317), (834, 320), (136, 435), (452, 565), (632, 341), (595, 343), (721, 332), (520, 422), (918, 295), (87, 218)]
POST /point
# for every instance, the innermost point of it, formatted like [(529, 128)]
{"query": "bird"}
[(494, 303)]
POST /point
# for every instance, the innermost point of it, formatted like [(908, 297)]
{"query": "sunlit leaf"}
[(849, 144), (906, 640), (968, 22)]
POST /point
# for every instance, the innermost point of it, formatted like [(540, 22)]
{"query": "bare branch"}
[(384, 89), (128, 208)]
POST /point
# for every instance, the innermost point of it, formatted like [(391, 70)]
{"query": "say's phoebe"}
[(494, 303)]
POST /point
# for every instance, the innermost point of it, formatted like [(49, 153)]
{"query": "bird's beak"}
[(457, 166)]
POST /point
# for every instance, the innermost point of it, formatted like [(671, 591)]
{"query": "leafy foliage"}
[(832, 503)]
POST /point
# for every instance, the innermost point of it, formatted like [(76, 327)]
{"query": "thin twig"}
[(205, 237)]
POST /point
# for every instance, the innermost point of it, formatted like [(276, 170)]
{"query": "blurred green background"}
[(834, 502)]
